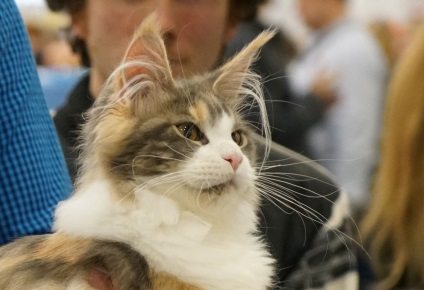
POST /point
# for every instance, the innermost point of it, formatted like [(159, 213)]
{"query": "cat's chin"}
[(218, 189), (224, 188), (212, 189)]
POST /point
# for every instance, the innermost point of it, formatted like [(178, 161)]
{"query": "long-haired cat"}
[(166, 198)]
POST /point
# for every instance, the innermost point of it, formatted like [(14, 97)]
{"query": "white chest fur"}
[(219, 253)]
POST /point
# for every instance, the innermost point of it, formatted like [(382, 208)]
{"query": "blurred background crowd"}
[(391, 21), (58, 66), (332, 91)]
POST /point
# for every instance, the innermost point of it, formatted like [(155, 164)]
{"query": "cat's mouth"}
[(217, 189)]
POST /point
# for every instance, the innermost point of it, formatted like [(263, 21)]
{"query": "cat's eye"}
[(237, 137), (191, 131)]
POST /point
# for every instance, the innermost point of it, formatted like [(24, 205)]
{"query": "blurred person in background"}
[(346, 140), (310, 253), (58, 53), (33, 175), (386, 35), (45, 30), (59, 71), (394, 36), (394, 223), (289, 117), (57, 65)]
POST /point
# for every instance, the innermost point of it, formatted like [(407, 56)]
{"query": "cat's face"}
[(150, 131), (192, 136)]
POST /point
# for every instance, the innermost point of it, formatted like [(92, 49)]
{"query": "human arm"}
[(33, 177)]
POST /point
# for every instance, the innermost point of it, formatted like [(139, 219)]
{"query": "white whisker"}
[(167, 145)]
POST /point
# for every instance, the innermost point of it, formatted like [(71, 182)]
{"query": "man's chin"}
[(180, 70)]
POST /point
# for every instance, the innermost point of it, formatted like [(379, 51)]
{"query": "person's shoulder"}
[(77, 102), (8, 11)]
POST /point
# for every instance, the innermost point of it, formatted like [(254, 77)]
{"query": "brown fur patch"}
[(19, 251), (63, 247), (57, 260), (161, 280), (200, 112), (10, 262), (112, 131)]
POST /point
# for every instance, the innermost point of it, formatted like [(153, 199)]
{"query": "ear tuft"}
[(147, 41), (235, 83), (145, 64), (235, 72)]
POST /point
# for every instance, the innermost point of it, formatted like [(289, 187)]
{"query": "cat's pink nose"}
[(235, 159)]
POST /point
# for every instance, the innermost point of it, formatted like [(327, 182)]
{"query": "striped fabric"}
[(33, 176)]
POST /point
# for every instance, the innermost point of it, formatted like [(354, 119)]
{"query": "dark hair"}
[(66, 5), (244, 10), (240, 10)]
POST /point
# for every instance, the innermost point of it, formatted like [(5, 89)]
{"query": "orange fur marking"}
[(200, 112), (62, 246), (8, 263), (161, 280)]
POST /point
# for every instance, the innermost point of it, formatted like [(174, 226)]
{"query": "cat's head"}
[(187, 138)]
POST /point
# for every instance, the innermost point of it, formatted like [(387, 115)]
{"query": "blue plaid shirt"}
[(33, 176)]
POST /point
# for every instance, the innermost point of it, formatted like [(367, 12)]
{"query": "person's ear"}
[(79, 24)]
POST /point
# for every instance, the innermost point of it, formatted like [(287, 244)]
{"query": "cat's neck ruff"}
[(219, 253)]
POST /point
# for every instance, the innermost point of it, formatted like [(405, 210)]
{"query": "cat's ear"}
[(145, 65), (235, 73)]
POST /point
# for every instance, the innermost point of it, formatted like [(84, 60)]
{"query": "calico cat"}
[(166, 198)]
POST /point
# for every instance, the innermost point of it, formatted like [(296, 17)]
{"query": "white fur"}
[(208, 242), (340, 211), (209, 163), (350, 281)]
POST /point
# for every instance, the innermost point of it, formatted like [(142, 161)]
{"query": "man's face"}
[(313, 12), (195, 31)]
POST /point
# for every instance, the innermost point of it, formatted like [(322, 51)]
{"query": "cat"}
[(166, 197)]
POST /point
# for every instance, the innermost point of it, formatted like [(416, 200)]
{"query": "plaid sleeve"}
[(33, 176), (330, 262)]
